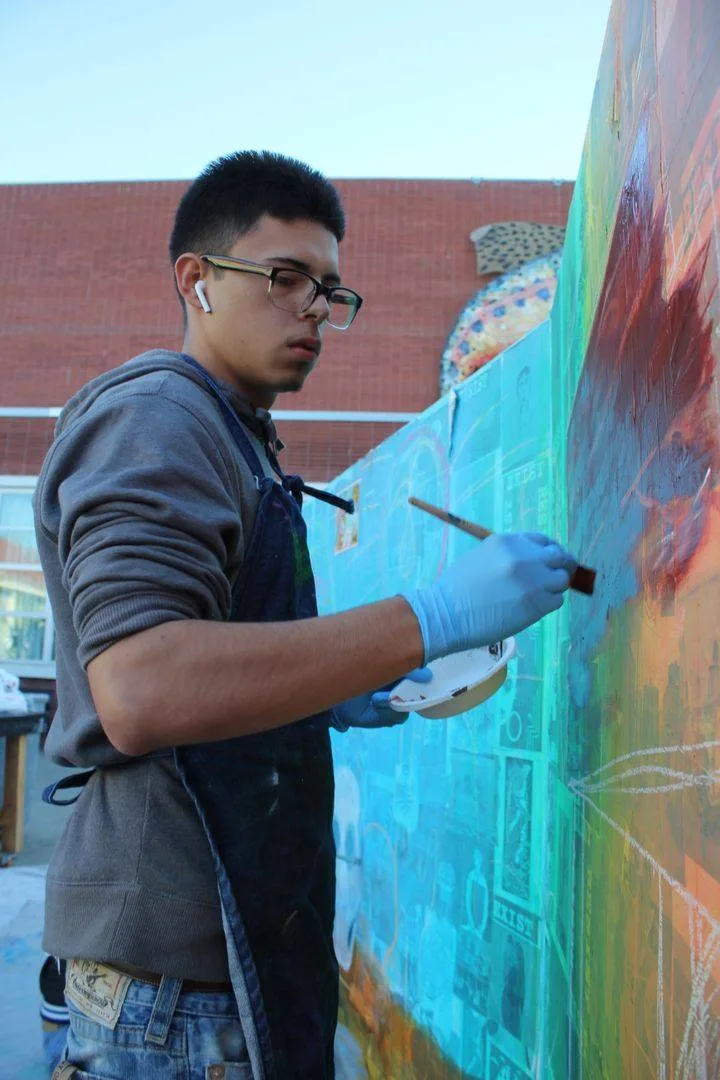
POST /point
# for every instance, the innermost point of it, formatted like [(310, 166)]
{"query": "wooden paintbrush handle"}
[(583, 580), (451, 519)]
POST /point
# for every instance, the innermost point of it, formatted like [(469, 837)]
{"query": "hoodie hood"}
[(259, 421)]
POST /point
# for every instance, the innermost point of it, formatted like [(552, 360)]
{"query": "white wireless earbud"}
[(204, 302)]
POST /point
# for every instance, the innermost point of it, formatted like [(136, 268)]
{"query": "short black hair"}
[(232, 193)]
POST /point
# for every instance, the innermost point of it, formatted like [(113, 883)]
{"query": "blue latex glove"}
[(372, 710), (499, 587)]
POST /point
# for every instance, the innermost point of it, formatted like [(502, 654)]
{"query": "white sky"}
[(154, 89)]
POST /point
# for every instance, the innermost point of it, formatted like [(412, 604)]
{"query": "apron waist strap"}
[(76, 780), (79, 780)]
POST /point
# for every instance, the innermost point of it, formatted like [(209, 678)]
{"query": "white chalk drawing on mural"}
[(698, 1042), (419, 467), (349, 869)]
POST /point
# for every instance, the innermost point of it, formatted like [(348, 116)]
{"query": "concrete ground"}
[(22, 894)]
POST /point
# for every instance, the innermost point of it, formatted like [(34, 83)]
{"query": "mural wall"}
[(635, 349), (439, 824), (532, 889)]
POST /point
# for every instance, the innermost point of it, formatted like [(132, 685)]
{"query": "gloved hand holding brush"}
[(496, 589)]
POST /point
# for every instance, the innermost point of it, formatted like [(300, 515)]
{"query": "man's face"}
[(259, 348)]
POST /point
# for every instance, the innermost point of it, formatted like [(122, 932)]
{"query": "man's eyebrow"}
[(328, 279)]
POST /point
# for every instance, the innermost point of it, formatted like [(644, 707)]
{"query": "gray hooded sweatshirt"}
[(143, 510)]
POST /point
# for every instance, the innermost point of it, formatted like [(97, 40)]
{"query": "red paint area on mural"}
[(650, 363)]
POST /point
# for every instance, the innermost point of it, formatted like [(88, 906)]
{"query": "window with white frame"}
[(27, 640)]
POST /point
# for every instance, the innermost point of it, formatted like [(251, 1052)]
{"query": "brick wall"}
[(85, 284)]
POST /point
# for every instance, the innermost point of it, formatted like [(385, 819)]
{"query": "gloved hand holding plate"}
[(460, 681)]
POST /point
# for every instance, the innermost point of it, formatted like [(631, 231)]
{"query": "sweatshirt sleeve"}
[(143, 507)]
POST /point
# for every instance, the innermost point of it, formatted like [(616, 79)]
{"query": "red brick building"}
[(85, 284)]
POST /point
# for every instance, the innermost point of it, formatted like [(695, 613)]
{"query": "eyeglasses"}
[(294, 290)]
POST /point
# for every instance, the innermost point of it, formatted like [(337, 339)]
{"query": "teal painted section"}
[(447, 819)]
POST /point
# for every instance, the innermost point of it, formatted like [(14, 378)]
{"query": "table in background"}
[(15, 731)]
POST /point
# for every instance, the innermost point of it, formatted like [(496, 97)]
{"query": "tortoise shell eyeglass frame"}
[(345, 300)]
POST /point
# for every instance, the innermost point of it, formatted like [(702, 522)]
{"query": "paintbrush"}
[(583, 579)]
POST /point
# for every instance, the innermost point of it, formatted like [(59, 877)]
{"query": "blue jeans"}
[(161, 1033), (54, 1043)]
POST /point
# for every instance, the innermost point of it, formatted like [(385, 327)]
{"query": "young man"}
[(192, 892)]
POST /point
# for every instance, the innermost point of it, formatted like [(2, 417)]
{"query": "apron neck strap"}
[(294, 484)]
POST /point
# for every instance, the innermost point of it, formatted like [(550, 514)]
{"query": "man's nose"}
[(319, 309)]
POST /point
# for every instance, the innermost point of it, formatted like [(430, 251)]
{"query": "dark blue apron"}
[(266, 804)]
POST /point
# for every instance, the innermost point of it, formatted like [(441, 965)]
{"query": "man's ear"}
[(188, 276)]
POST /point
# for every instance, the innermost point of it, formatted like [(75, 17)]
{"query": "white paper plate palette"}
[(460, 682)]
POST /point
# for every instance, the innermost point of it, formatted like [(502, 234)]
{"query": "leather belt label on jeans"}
[(97, 990)]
